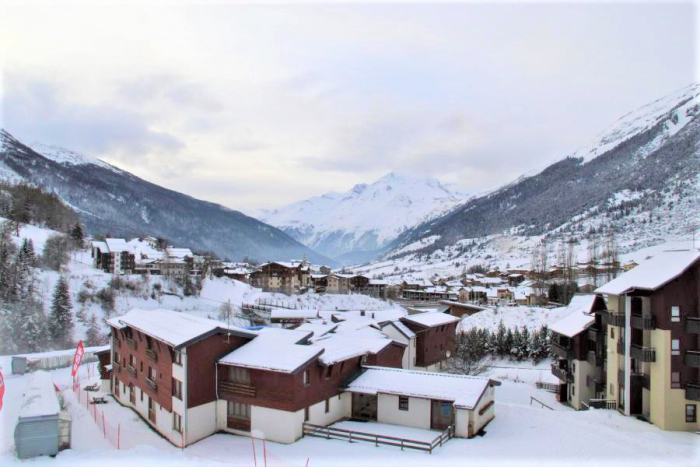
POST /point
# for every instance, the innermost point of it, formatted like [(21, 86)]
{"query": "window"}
[(132, 361), (329, 371), (177, 422), (177, 358), (573, 390), (573, 367), (305, 378), (152, 373), (141, 394), (612, 332), (177, 388), (306, 414), (675, 346), (328, 405), (238, 410), (675, 314), (675, 380), (403, 403), (141, 366), (691, 413)]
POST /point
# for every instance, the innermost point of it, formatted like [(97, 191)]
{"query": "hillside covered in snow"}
[(356, 225)]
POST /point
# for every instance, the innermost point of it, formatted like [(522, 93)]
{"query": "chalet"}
[(288, 278), (113, 256), (435, 337), (435, 401), (653, 340), (236, 273), (338, 283), (460, 309)]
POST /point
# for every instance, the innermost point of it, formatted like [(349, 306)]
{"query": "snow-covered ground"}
[(514, 316), (523, 433)]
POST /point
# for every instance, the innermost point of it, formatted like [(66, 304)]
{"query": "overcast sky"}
[(259, 106)]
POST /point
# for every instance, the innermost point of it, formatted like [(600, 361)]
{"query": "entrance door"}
[(441, 415), (364, 406), (151, 410), (563, 394), (132, 394)]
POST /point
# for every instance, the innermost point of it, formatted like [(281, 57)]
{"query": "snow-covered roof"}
[(284, 313), (318, 329), (291, 336), (579, 316), (377, 282), (40, 398), (116, 245), (431, 319), (464, 391), (338, 348), (180, 253), (401, 328), (101, 245), (653, 273), (174, 328), (270, 353)]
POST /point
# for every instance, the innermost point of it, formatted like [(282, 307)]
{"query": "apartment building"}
[(435, 338), (653, 358)]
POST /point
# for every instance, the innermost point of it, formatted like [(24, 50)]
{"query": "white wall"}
[(417, 415), (464, 419), (201, 422), (409, 355), (339, 407), (277, 425), (164, 418)]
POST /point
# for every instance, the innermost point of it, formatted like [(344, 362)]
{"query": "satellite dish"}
[(448, 354)]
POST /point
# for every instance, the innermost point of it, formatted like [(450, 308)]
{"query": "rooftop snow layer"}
[(172, 327), (579, 318), (284, 313), (431, 319), (40, 396), (338, 348), (653, 273), (269, 353), (464, 391)]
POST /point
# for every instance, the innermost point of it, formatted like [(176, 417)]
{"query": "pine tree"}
[(61, 323), (93, 335), (27, 251), (524, 344), (77, 236), (501, 345)]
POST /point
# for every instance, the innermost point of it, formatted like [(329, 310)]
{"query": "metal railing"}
[(692, 358), (644, 322), (561, 373), (561, 351), (551, 387), (150, 353), (692, 325), (643, 354), (131, 370), (616, 319), (151, 384), (330, 432), (642, 379), (692, 391), (542, 404), (131, 343), (609, 404)]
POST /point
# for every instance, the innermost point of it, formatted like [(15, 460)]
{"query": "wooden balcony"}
[(643, 354), (238, 389), (131, 370), (562, 374), (616, 319), (131, 343), (150, 353), (561, 351), (692, 358), (643, 321), (152, 384), (642, 379), (594, 358), (692, 391), (692, 325), (596, 335)]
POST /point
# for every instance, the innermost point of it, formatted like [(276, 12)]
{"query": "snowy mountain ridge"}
[(367, 217)]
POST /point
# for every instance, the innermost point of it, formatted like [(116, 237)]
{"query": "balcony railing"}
[(594, 358), (238, 389), (152, 384), (616, 319), (643, 354), (641, 379), (603, 404), (150, 353), (595, 384), (131, 343), (692, 358), (621, 347), (692, 325), (596, 335), (692, 391), (562, 374), (644, 322), (115, 366), (131, 370), (561, 351)]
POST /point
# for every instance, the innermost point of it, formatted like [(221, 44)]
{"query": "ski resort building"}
[(113, 256), (190, 377), (435, 338), (282, 277), (646, 339)]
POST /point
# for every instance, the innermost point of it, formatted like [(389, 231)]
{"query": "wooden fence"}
[(330, 432)]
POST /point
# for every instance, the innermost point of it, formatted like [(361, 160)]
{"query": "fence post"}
[(264, 453), (119, 434), (402, 444), (255, 459), (104, 427), (350, 438)]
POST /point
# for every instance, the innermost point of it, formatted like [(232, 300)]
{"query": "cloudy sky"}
[(259, 106)]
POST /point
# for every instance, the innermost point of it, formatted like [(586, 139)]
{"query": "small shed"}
[(42, 428)]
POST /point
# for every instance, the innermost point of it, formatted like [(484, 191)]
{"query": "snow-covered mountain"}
[(359, 223), (110, 200), (639, 181)]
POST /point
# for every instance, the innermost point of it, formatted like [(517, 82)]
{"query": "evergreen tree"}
[(61, 323), (525, 344), (77, 236), (501, 344), (93, 335)]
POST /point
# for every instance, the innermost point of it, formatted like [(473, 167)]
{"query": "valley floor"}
[(523, 433)]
